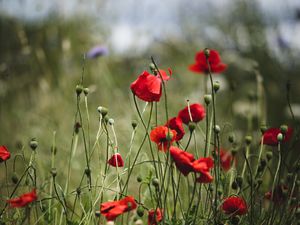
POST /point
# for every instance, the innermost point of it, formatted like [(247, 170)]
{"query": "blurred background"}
[(43, 42)]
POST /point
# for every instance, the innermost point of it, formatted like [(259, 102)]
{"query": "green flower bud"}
[(234, 151), (15, 178), (77, 126), (269, 155), (217, 129), (259, 181), (283, 129), (139, 179), (97, 214), (134, 124), (78, 191), (231, 138), (169, 135), (155, 182), (53, 172), (248, 139), (111, 121), (207, 99), (216, 86), (33, 144), (78, 89), (220, 192), (87, 172), (234, 185), (140, 211), (263, 162), (192, 126), (206, 52), (86, 91), (235, 220), (102, 110), (263, 128), (152, 67), (280, 137)]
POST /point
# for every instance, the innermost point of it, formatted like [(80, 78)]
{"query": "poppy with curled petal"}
[(23, 200), (155, 216), (4, 153), (115, 160), (203, 166), (175, 123), (148, 87), (234, 205), (196, 110), (214, 59), (270, 136), (111, 210), (183, 160), (163, 137)]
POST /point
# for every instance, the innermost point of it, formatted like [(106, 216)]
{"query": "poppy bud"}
[(280, 137), (239, 181), (216, 86), (283, 129), (139, 179), (259, 181), (234, 151), (206, 52), (140, 211), (210, 188), (192, 126), (263, 162), (220, 192), (15, 178), (106, 118), (248, 139), (263, 128), (102, 110), (97, 214), (87, 172), (235, 220), (169, 136), (53, 172), (231, 138), (134, 123), (86, 91), (77, 126), (155, 182), (269, 155), (78, 89), (111, 121), (78, 191), (33, 144), (207, 99), (152, 67), (234, 185), (217, 129)]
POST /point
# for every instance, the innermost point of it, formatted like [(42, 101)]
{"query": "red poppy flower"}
[(270, 136), (147, 87), (115, 208), (155, 216), (175, 123), (279, 196), (225, 159), (214, 59), (23, 200), (197, 113), (115, 160), (203, 166), (183, 160), (163, 136), (234, 205), (4, 153)]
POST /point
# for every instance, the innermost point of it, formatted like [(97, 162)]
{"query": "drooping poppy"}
[(23, 200), (214, 60), (234, 205), (111, 210), (4, 153), (163, 136), (270, 136), (116, 159), (196, 111), (155, 216), (148, 87), (183, 160), (203, 166), (175, 123)]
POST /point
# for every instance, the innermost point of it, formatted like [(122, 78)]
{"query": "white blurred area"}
[(134, 24)]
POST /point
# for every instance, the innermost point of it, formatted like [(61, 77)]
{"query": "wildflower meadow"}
[(180, 164)]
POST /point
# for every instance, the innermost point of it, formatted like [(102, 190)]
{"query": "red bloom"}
[(197, 113), (203, 166), (23, 200), (147, 86), (115, 208), (155, 216), (175, 123), (234, 205), (225, 159), (183, 160), (214, 59), (162, 136), (115, 160), (270, 136), (4, 153), (279, 196)]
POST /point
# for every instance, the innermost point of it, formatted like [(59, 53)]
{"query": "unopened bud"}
[(234, 185), (77, 126), (97, 214), (78, 191), (33, 144), (87, 172), (217, 129), (139, 179), (192, 126), (134, 124), (239, 181), (152, 67), (263, 128), (248, 139), (170, 135), (53, 172), (235, 220), (280, 137), (206, 52), (79, 89), (269, 155), (207, 99), (86, 91), (111, 121), (155, 182), (140, 211), (231, 138), (102, 110), (15, 178), (216, 86), (283, 129)]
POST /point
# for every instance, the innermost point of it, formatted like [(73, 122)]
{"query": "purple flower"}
[(96, 52)]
